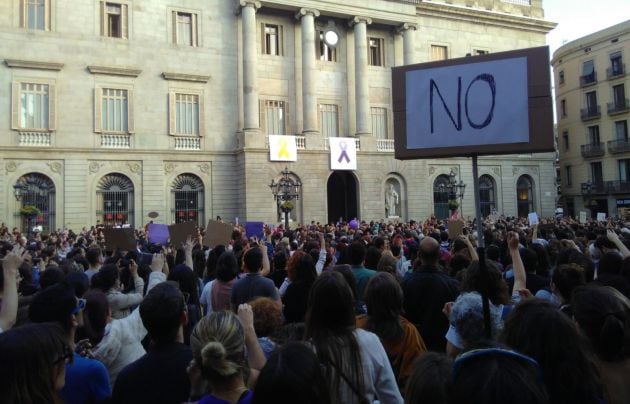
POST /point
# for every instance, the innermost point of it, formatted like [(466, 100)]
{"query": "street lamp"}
[(456, 189), (284, 192)]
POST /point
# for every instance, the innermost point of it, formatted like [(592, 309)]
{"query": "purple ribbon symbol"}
[(343, 146)]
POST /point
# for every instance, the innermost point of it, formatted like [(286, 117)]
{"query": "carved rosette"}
[(169, 168), (94, 167), (55, 166), (204, 168), (11, 166)]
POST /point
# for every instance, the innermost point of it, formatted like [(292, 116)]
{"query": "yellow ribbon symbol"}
[(283, 152)]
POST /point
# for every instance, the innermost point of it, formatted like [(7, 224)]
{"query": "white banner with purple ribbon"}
[(343, 153)]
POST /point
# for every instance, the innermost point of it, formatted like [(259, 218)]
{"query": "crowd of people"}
[(355, 312)]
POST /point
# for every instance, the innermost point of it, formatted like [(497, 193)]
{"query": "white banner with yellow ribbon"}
[(282, 148)]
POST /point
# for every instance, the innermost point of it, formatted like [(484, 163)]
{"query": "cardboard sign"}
[(455, 229), (498, 103), (255, 229), (601, 216), (180, 232), (532, 218), (120, 239), (282, 148), (158, 233), (582, 217), (217, 233), (343, 153)]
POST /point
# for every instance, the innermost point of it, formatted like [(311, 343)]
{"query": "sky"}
[(578, 18)]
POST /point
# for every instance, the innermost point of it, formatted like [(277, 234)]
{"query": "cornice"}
[(33, 64), (114, 71), (195, 78)]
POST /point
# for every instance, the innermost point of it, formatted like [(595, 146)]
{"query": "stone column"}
[(250, 85), (362, 90), (408, 32), (309, 70)]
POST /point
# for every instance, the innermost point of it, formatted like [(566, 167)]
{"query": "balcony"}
[(618, 146), (109, 141), (385, 145), (618, 107), (35, 139), (588, 114), (187, 143), (300, 142), (605, 187), (592, 150), (616, 72), (588, 79)]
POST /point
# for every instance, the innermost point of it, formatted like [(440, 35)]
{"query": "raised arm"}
[(255, 356), (471, 249), (8, 313), (612, 236), (517, 264)]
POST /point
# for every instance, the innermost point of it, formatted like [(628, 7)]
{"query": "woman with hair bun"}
[(219, 370)]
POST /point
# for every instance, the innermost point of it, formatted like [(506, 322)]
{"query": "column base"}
[(363, 133)]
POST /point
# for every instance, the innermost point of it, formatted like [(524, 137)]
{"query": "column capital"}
[(406, 27), (358, 20), (247, 3), (306, 11)]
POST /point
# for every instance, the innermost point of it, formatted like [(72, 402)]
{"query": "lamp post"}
[(284, 192), (456, 189)]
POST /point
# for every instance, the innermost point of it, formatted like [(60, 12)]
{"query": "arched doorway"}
[(114, 200), (487, 195), (440, 197), (525, 195), (37, 190), (342, 196), (187, 200)]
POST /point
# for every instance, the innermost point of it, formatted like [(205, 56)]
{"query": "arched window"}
[(440, 197), (187, 200), (487, 195), (37, 190), (114, 200), (524, 195)]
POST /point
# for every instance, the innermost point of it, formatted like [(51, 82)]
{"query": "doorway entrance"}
[(342, 196)]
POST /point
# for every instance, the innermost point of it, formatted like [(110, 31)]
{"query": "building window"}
[(524, 195), (114, 20), (36, 14), (33, 106), (185, 28), (187, 200), (38, 191), (113, 110), (588, 73), (624, 170), (619, 96), (561, 77), (621, 130), (563, 108), (272, 39), (379, 122), (329, 120), (187, 114), (439, 52), (326, 53), (487, 195), (597, 173), (591, 102), (114, 200), (275, 117), (440, 197), (375, 51), (616, 64), (565, 139), (593, 135), (569, 178)]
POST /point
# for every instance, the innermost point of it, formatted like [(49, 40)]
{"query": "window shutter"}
[(280, 41), (174, 18), (23, 13), (98, 110), (202, 115), (124, 21), (287, 126), (262, 116), (51, 107), (104, 30), (15, 105), (263, 40), (172, 113), (47, 15), (130, 109), (193, 22)]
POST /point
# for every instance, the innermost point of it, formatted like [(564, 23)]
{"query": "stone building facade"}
[(112, 110), (593, 113)]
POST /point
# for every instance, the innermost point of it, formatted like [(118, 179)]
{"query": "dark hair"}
[(161, 312), (543, 260), (292, 374), (279, 261), (267, 315), (253, 259), (496, 376), (490, 282), (305, 270), (95, 316), (51, 276), (372, 256), (384, 300), (346, 271), (79, 281), (603, 313), (92, 255), (493, 253), (211, 263), (538, 329), (226, 267), (54, 304), (529, 258), (107, 277), (330, 325), (566, 278), (30, 356), (431, 380), (610, 263), (356, 253)]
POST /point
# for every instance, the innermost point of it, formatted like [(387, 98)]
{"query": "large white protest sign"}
[(582, 217), (343, 153), (282, 148), (532, 218)]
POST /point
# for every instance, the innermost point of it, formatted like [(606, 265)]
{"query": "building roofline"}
[(591, 39)]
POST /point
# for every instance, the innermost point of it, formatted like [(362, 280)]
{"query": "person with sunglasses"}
[(86, 379)]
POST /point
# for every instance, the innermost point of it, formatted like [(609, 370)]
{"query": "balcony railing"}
[(618, 146), (187, 143), (385, 145), (116, 141), (588, 79), (590, 113), (300, 142), (35, 139), (327, 143), (605, 187), (592, 150), (618, 107), (614, 73)]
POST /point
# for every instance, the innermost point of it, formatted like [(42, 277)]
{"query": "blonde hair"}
[(218, 345)]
